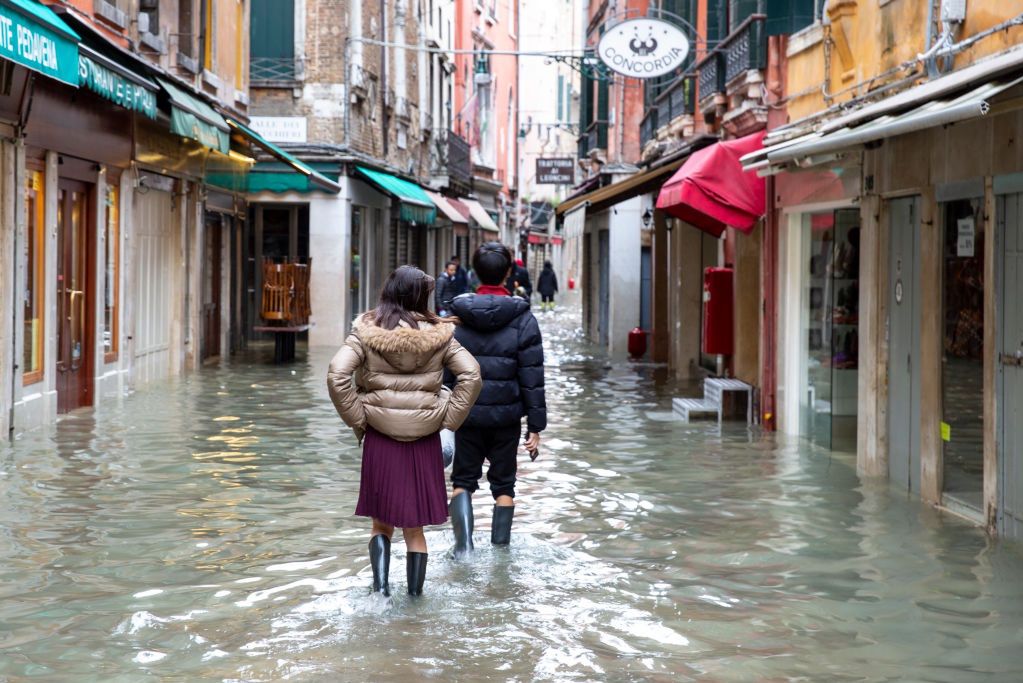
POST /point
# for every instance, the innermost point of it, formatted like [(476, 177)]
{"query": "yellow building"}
[(896, 193)]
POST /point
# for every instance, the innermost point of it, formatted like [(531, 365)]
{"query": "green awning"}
[(415, 205), (193, 118), (279, 178), (292, 161), (33, 36)]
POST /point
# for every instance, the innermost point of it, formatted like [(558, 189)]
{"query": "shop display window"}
[(35, 269), (111, 274), (832, 328)]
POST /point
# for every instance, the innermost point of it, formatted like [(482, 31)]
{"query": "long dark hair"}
[(405, 297)]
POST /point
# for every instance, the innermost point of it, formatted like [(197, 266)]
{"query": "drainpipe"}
[(385, 123)]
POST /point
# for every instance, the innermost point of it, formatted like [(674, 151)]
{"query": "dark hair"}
[(456, 257), (449, 264), (405, 297), (491, 263), (547, 265)]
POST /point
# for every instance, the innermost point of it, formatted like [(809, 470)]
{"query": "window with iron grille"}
[(272, 40)]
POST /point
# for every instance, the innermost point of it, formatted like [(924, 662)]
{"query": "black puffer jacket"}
[(505, 339)]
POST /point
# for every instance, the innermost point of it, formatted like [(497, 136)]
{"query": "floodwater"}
[(203, 530)]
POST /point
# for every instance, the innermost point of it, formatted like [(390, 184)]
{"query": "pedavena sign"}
[(643, 48)]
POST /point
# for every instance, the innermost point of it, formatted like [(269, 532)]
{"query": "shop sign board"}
[(115, 87), (36, 46), (280, 128), (643, 48), (555, 171)]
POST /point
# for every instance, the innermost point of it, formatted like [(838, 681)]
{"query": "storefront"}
[(913, 205)]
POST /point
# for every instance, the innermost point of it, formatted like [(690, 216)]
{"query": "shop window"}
[(832, 329), (35, 268), (111, 274)]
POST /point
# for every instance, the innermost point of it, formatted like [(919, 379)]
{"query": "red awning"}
[(711, 191)]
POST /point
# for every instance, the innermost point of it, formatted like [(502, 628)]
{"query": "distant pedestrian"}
[(446, 289), (461, 279), (519, 275), (505, 337), (386, 384), (547, 285)]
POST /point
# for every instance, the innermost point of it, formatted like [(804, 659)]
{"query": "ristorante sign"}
[(643, 48)]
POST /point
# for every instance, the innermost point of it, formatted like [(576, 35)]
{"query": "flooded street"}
[(203, 530)]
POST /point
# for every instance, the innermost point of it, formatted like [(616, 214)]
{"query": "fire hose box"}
[(719, 311)]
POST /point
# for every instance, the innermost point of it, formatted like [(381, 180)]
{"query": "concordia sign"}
[(643, 48)]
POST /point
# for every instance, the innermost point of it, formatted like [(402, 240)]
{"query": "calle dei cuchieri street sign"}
[(643, 48)]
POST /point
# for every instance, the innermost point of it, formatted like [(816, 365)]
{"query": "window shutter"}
[(717, 21), (272, 29), (789, 16)]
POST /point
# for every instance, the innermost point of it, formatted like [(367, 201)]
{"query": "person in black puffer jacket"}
[(503, 335)]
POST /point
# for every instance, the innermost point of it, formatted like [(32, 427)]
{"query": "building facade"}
[(122, 198), (895, 193)]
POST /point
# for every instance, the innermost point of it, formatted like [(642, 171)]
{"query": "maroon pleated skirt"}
[(402, 482)]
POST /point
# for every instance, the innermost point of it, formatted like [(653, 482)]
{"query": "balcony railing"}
[(596, 135), (648, 126), (746, 48), (678, 99), (459, 158), (710, 75), (274, 69)]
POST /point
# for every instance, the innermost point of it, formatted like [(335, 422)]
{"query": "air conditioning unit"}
[(143, 22), (953, 11)]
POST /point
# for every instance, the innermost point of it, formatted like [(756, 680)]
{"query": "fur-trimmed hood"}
[(406, 348)]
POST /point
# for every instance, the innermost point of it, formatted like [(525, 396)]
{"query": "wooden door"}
[(1010, 366), (74, 296), (904, 345)]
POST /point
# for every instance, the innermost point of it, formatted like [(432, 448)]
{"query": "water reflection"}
[(204, 530)]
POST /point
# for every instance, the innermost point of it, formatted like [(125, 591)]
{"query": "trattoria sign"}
[(643, 48), (113, 86), (50, 48)]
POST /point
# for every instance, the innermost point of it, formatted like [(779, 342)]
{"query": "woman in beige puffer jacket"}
[(386, 383)]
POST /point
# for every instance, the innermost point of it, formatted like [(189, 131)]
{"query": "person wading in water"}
[(505, 338), (387, 385)]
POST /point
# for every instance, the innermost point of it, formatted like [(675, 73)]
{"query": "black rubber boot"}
[(380, 560), (460, 510), (415, 571), (500, 528)]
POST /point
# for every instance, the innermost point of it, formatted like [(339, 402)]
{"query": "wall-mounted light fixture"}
[(648, 218)]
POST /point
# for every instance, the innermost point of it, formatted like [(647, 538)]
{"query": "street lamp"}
[(648, 218)]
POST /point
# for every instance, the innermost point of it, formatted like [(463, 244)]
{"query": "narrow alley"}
[(202, 529)]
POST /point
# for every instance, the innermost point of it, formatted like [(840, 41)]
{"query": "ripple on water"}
[(202, 530)]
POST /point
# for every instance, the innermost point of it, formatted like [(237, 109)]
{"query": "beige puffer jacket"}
[(392, 380)]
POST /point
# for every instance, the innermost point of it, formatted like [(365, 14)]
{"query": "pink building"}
[(485, 105)]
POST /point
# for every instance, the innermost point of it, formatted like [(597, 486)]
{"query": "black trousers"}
[(500, 447)]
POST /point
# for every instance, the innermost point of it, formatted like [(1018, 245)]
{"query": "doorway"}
[(962, 383), (645, 287), (1010, 367), (74, 301), (211, 287), (604, 246), (904, 344)]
